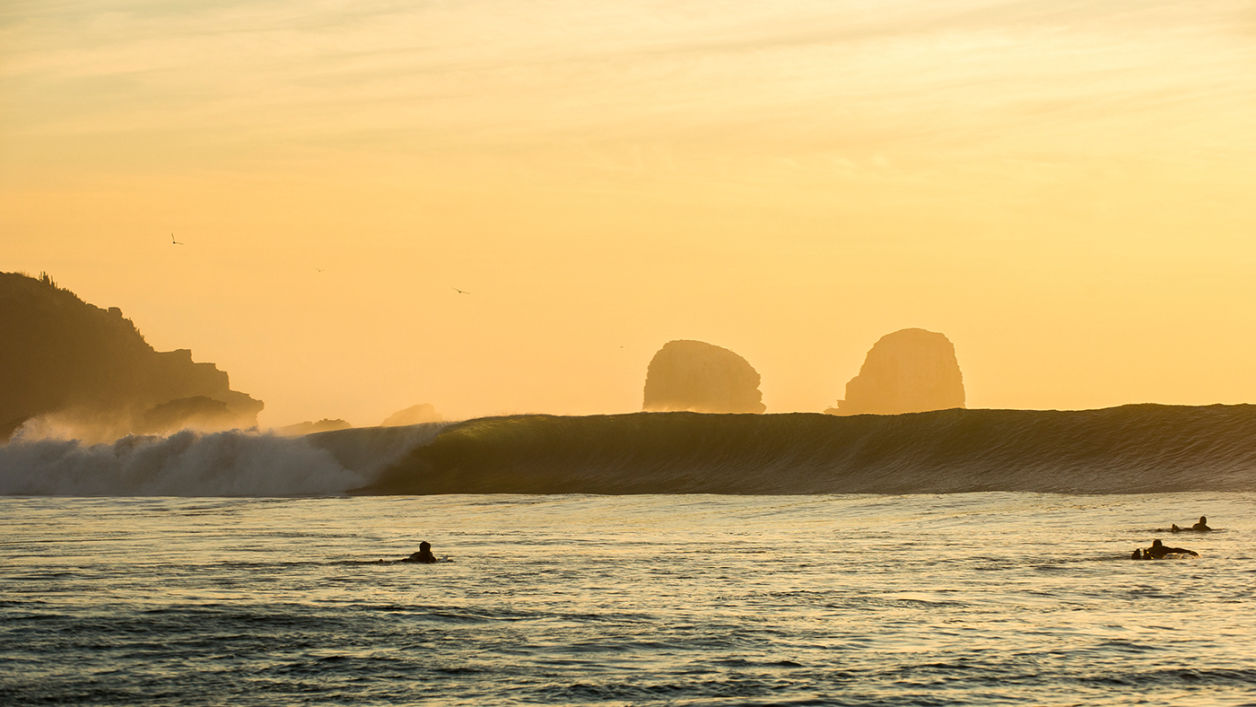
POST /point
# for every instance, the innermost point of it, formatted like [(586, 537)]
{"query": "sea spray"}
[(189, 463), (183, 464)]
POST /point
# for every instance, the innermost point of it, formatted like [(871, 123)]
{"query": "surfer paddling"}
[(1200, 527), (1159, 551), (424, 556)]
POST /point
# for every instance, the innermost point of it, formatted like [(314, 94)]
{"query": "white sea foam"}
[(184, 464), (192, 463)]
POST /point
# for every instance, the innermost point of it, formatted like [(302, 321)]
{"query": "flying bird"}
[(461, 292), (173, 241)]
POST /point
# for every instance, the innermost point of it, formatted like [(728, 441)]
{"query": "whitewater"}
[(677, 599), (189, 463)]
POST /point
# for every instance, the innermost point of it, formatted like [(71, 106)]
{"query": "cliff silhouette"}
[(700, 377), (910, 370), (64, 362)]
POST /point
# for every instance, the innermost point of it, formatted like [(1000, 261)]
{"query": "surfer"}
[(1158, 551), (1200, 527), (423, 555), (1138, 554)]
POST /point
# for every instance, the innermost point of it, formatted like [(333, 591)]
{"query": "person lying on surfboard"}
[(1200, 527), (1158, 551)]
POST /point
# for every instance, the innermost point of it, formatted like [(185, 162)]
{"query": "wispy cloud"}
[(801, 74)]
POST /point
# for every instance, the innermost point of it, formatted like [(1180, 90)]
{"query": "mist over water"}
[(191, 463), (990, 598)]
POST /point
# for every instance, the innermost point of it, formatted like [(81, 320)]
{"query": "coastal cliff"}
[(67, 363)]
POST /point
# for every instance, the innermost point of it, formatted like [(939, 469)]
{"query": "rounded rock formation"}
[(911, 370), (413, 415), (700, 377)]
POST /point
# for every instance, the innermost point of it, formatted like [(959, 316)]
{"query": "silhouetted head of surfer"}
[(1202, 524), (423, 555)]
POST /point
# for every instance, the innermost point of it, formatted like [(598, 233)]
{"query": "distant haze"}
[(1063, 189)]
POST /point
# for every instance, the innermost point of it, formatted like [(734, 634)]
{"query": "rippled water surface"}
[(690, 600)]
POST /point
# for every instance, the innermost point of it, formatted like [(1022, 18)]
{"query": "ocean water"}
[(967, 598)]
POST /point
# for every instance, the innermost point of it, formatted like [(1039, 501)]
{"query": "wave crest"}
[(1129, 449)]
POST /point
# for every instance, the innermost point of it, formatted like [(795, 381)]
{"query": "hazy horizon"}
[(1061, 189)]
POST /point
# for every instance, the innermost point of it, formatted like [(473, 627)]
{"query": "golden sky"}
[(1066, 189)]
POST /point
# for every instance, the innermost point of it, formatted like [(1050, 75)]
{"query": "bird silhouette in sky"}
[(173, 241), (461, 292)]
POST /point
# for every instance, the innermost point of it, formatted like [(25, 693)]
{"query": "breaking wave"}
[(1130, 449), (190, 463)]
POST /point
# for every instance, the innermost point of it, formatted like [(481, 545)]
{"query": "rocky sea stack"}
[(701, 377), (911, 370)]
